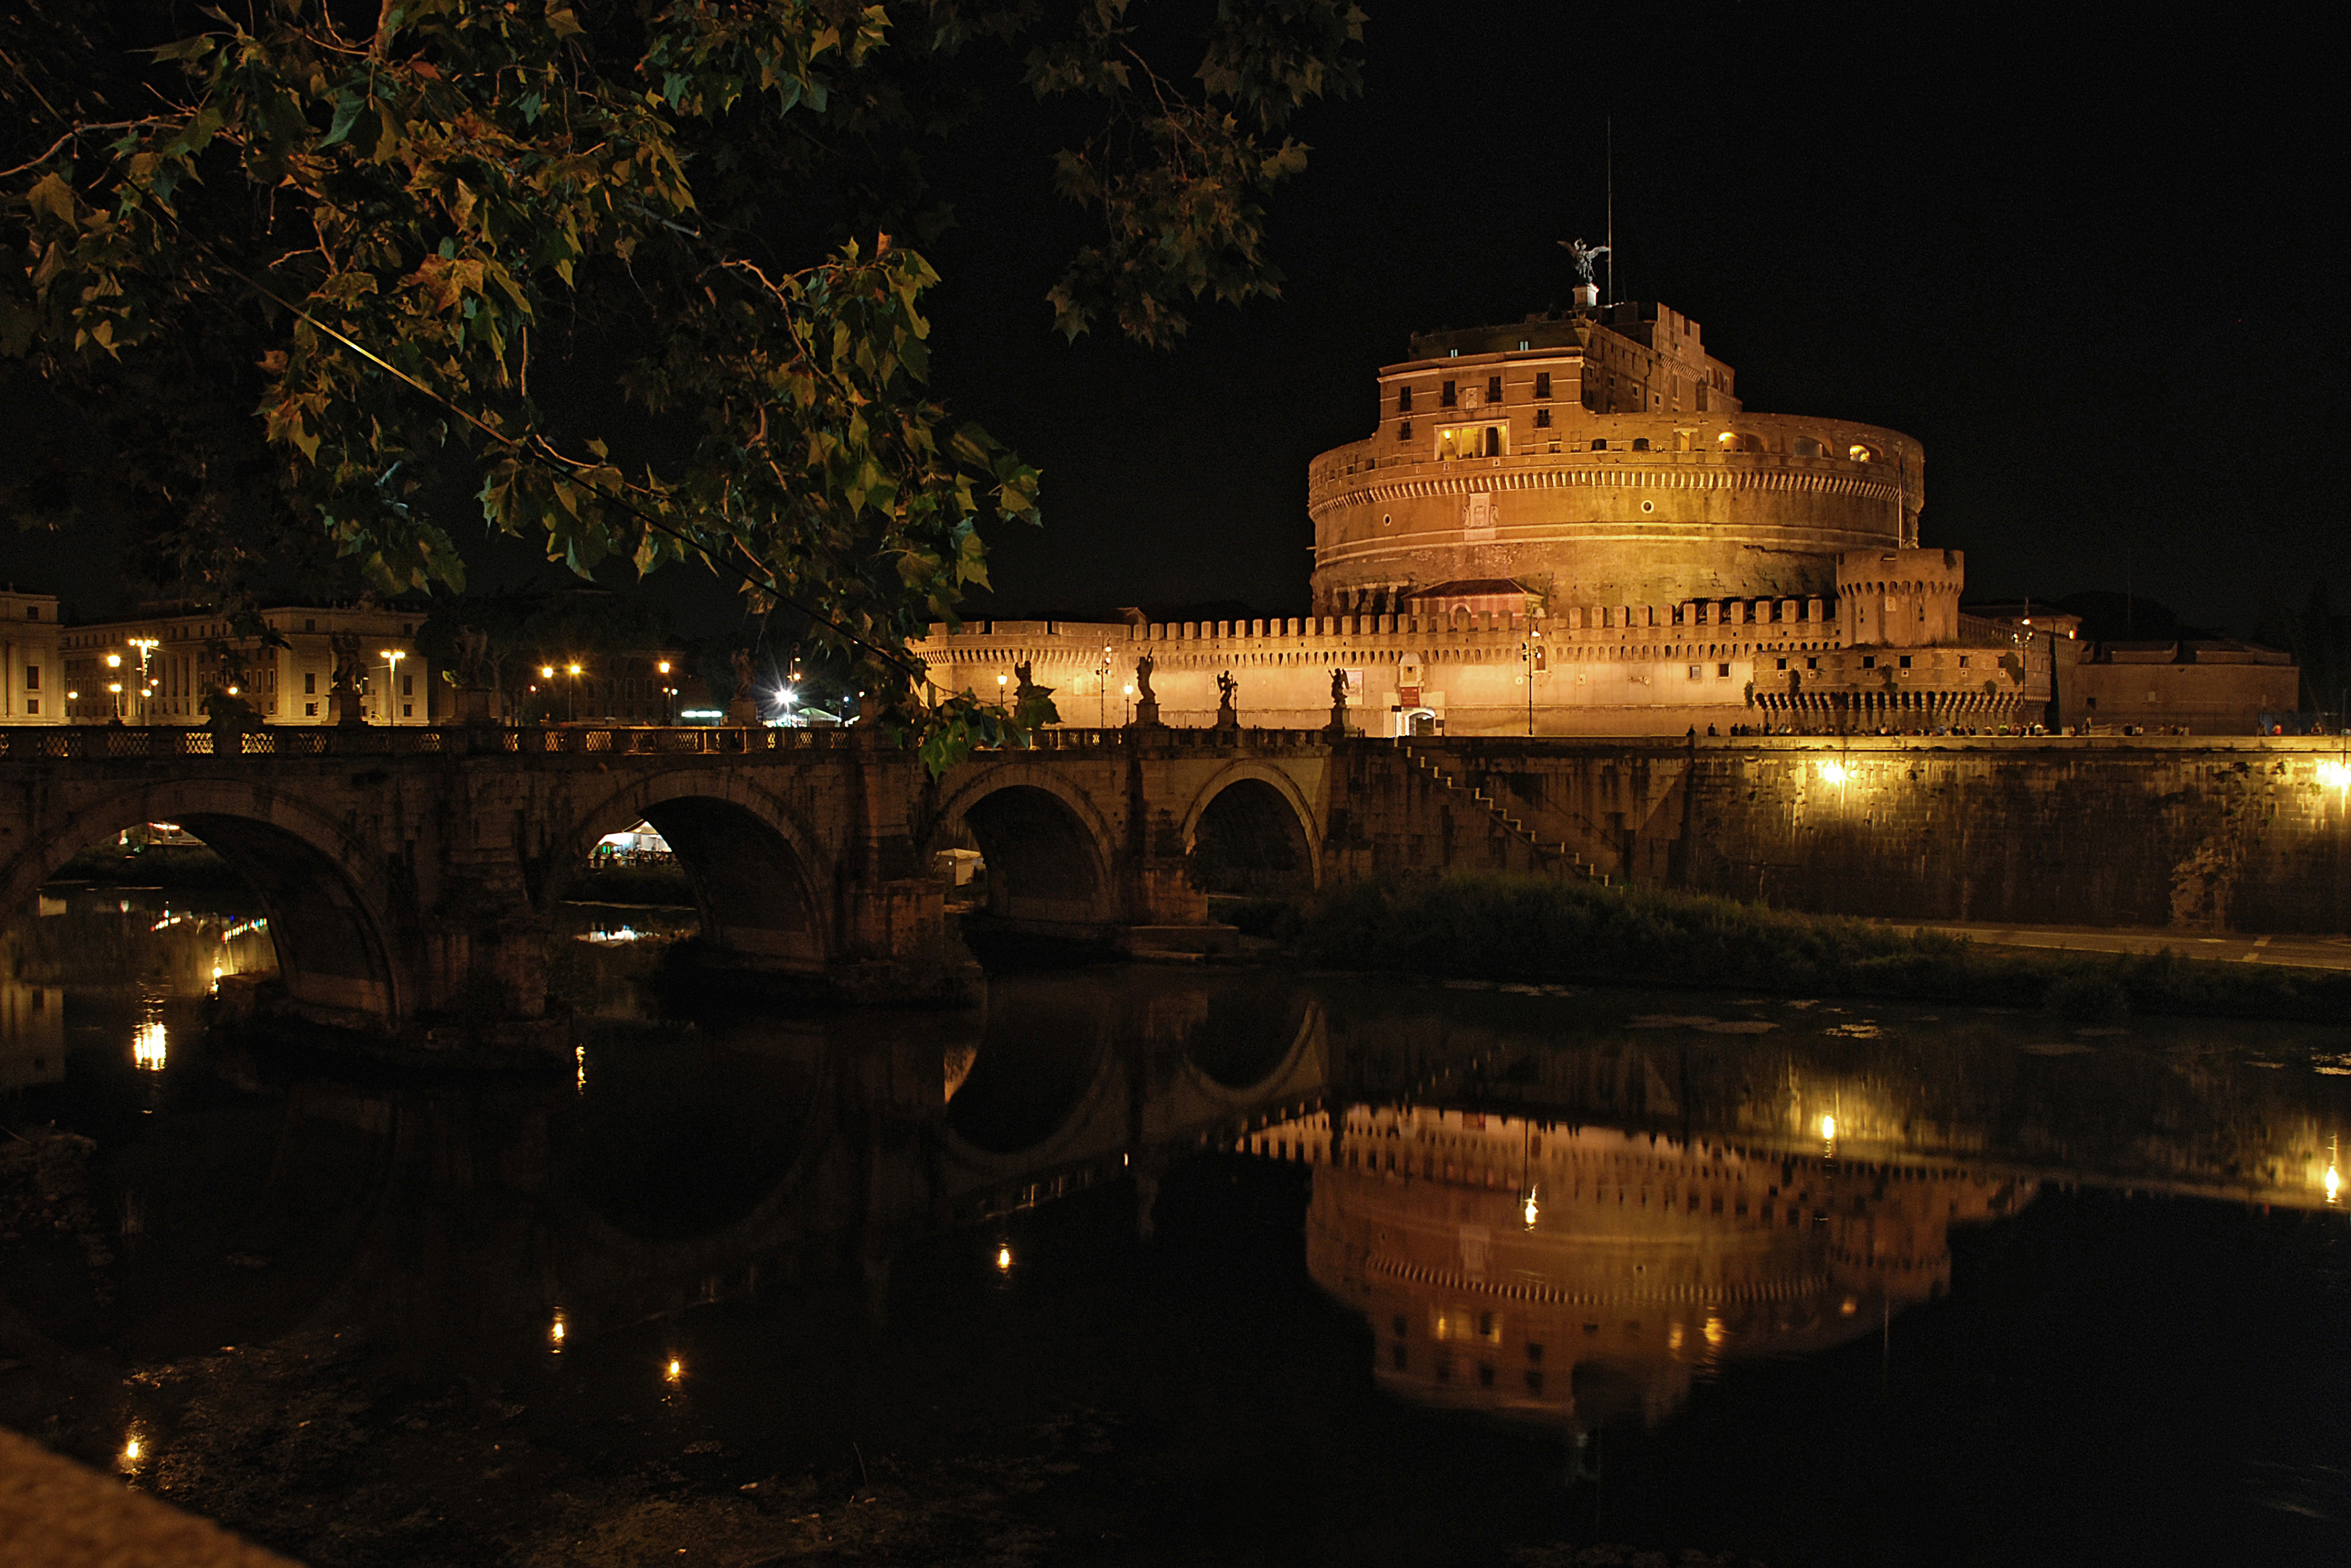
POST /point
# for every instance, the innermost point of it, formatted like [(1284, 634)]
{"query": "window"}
[(1600, 443), (1485, 1376), (1811, 664), (1403, 430), (1640, 444), (1493, 388), (1542, 383), (1534, 1384), (1963, 662), (408, 710), (1534, 1353), (1542, 419), (1493, 440), (1445, 396), (309, 684), (1869, 661), (1404, 400), (32, 678), (1784, 664), (1400, 1358), (33, 612), (1906, 661), (1860, 453), (1399, 1325), (310, 710), (408, 684), (1694, 672), (1722, 671), (309, 626)]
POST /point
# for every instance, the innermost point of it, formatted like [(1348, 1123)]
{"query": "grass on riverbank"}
[(1506, 928)]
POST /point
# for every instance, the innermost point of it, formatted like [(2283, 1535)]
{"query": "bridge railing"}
[(1075, 738), (111, 741)]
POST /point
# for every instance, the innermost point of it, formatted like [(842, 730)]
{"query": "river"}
[(1155, 1264)]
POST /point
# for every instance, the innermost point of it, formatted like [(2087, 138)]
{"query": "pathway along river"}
[(1147, 1266)]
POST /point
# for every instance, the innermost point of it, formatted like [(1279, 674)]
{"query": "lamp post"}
[(1527, 651), (392, 658), (145, 645), (547, 674), (114, 661), (575, 693), (669, 694), (1126, 707), (1001, 682)]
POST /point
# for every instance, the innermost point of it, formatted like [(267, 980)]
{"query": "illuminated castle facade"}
[(1573, 525)]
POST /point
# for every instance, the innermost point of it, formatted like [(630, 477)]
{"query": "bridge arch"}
[(759, 876), (1049, 852), (1251, 827), (320, 887)]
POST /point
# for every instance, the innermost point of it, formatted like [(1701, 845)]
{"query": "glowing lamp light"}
[(2335, 776), (1835, 773), (2333, 1184), (1531, 1209), (149, 1046), (114, 661), (554, 1332), (676, 1371), (232, 691), (1828, 1129), (1003, 1260), (575, 670)]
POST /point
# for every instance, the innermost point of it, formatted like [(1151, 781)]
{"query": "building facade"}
[(158, 668), (29, 689)]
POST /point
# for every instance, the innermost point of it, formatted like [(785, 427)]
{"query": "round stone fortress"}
[(1595, 457)]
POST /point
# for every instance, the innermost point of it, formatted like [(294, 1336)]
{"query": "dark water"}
[(1157, 1265)]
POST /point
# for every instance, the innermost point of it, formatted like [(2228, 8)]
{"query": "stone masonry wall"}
[(2192, 834)]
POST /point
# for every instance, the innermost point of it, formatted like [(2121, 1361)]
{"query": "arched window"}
[(1862, 451)]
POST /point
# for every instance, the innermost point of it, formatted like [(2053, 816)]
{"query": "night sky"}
[(2082, 256)]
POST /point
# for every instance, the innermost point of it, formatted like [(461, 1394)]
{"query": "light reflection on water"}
[(1599, 1214)]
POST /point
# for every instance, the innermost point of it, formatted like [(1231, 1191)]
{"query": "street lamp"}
[(145, 645), (575, 693), (1001, 682), (1528, 653), (392, 658), (669, 694), (1126, 708)]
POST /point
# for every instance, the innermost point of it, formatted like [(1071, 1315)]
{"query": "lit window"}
[(1694, 672), (1861, 454)]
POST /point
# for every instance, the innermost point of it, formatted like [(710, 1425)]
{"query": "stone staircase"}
[(1557, 856)]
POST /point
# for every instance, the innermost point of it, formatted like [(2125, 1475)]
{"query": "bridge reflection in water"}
[(1563, 1210)]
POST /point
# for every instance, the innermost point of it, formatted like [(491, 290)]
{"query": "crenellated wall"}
[(1621, 669)]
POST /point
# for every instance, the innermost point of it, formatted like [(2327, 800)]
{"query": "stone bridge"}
[(411, 876)]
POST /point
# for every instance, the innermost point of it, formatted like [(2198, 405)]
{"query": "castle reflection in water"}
[(1583, 1275)]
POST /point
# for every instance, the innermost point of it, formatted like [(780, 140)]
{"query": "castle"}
[(1573, 525)]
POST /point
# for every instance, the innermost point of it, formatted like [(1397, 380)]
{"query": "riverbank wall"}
[(2179, 833)]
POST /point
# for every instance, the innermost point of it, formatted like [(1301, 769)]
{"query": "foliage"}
[(562, 252), (1521, 928)]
